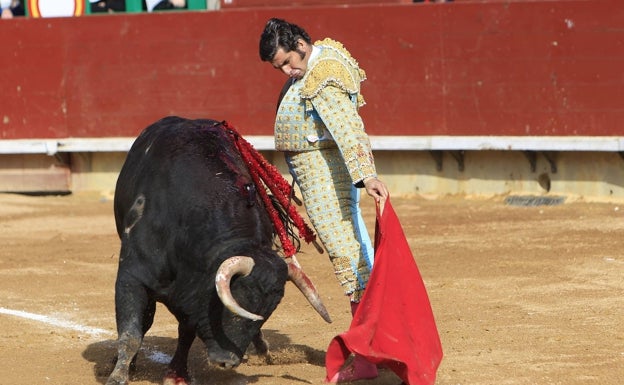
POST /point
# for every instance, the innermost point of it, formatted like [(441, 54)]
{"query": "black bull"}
[(195, 237)]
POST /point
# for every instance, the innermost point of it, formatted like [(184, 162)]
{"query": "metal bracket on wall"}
[(63, 159), (549, 155), (438, 156), (532, 157), (551, 158), (459, 157)]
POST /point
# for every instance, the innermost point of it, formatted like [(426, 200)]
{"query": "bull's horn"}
[(303, 283), (229, 268)]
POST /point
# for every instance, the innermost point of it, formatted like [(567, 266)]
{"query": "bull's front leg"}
[(132, 306), (261, 345), (177, 374), (128, 346)]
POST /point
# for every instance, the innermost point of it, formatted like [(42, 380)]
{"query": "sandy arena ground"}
[(521, 295)]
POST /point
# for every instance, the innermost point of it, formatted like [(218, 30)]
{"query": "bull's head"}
[(242, 265)]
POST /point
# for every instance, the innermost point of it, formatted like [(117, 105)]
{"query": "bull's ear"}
[(305, 285), (237, 265)]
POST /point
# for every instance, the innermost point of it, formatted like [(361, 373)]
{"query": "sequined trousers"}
[(332, 204)]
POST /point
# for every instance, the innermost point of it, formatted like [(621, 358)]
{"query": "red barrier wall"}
[(493, 68)]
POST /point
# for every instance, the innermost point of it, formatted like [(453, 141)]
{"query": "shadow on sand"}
[(155, 353)]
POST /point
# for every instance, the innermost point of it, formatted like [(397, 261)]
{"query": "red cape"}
[(394, 324)]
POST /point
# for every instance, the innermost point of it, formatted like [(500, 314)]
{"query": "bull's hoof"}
[(172, 378), (226, 360), (227, 365), (260, 344), (114, 380)]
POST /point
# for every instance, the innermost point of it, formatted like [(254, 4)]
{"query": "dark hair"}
[(279, 33)]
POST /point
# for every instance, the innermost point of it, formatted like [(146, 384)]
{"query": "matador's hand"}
[(376, 188)]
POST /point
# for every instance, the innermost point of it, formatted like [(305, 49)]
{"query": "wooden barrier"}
[(508, 69)]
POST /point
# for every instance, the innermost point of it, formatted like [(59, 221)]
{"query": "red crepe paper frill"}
[(267, 176)]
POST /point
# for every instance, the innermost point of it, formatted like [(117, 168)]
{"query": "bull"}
[(195, 237)]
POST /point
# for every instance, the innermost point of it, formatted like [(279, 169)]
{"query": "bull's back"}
[(185, 171)]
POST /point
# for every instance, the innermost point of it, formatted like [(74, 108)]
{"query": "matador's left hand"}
[(376, 188)]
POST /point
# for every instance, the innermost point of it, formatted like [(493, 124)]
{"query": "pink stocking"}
[(359, 368)]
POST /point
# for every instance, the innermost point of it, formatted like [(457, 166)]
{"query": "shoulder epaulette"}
[(334, 67)]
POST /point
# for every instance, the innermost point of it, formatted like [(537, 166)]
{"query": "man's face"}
[(293, 63)]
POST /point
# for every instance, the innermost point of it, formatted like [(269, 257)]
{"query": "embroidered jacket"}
[(321, 110)]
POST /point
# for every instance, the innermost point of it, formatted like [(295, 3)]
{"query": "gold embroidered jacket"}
[(321, 110)]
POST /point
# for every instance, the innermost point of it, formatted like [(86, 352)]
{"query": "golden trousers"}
[(332, 204)]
